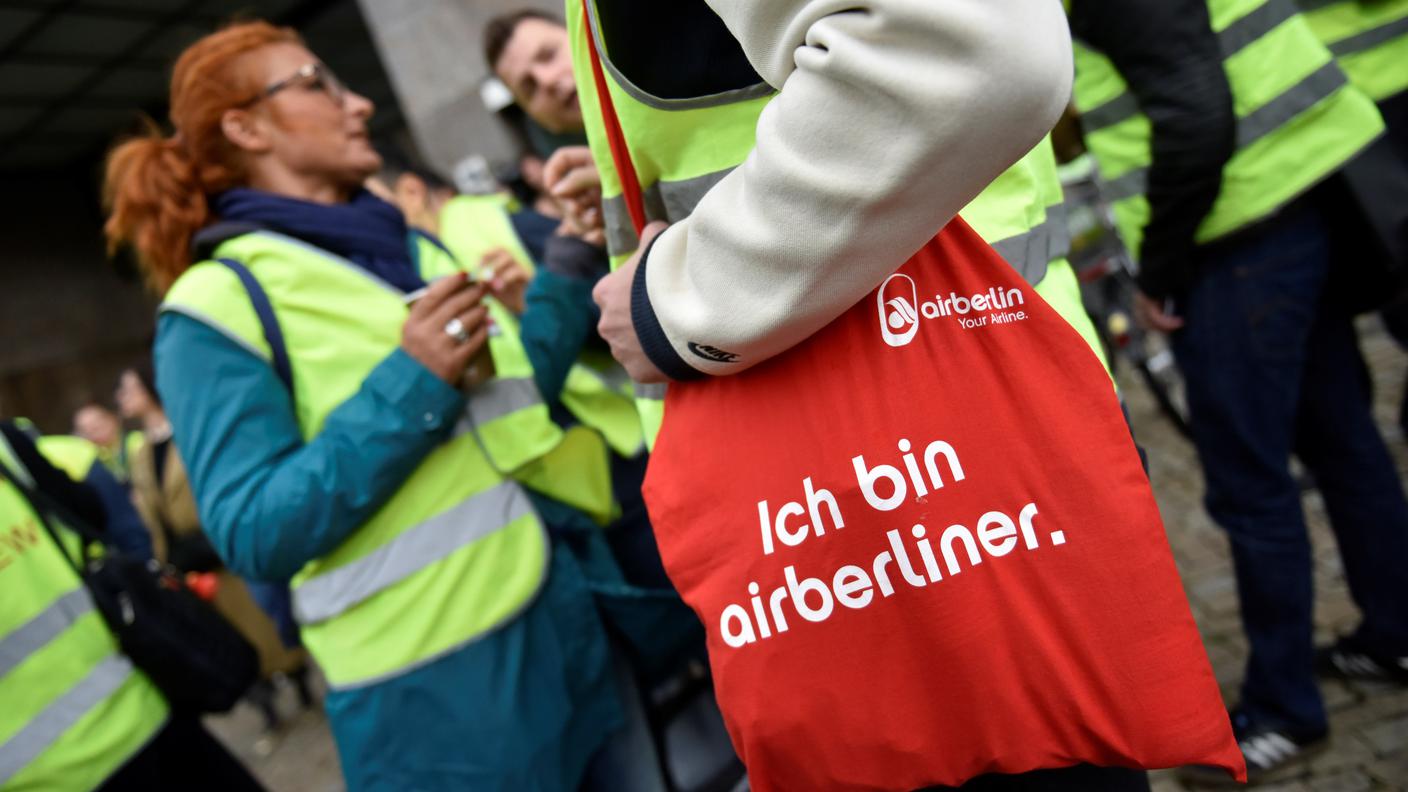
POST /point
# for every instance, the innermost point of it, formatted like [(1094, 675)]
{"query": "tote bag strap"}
[(620, 153)]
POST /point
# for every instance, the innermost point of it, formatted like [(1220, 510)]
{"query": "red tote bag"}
[(924, 548)]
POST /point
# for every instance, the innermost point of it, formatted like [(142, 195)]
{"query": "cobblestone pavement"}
[(1369, 724), (1369, 747)]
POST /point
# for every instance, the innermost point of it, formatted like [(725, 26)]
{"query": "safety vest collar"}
[(643, 96)]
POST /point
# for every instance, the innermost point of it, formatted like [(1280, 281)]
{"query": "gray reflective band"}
[(1110, 113), (1292, 102), (1030, 252), (1262, 20), (1371, 38), (1060, 236), (614, 377), (46, 625), (653, 392), (680, 197), (1306, 6), (1233, 39), (1129, 185), (671, 201), (1266, 119), (620, 231), (49, 725), (499, 397), (334, 592)]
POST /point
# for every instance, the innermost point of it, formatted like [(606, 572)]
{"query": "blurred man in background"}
[(1221, 130)]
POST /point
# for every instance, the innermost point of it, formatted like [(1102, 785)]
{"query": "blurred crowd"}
[(398, 433)]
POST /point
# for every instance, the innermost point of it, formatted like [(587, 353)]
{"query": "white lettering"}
[(790, 538), (799, 592), (736, 638), (866, 477), (1000, 541), (959, 533), (814, 500), (902, 560), (1025, 519), (852, 587), (954, 468)]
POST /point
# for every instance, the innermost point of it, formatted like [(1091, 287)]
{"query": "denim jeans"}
[(1272, 368)]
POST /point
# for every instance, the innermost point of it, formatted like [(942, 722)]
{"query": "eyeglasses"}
[(315, 76)]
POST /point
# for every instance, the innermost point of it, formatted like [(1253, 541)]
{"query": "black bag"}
[(198, 660)]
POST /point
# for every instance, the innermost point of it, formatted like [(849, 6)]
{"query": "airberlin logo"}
[(897, 302)]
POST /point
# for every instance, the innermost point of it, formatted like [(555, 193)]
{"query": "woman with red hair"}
[(340, 433)]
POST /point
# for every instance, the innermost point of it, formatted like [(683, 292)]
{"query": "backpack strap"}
[(273, 334)]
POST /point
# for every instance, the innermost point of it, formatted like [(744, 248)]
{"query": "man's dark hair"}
[(500, 29)]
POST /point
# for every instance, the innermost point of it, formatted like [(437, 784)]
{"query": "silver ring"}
[(455, 329)]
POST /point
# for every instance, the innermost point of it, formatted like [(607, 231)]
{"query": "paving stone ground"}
[(1369, 748), (1369, 724)]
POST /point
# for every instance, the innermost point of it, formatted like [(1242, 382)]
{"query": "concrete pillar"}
[(432, 52)]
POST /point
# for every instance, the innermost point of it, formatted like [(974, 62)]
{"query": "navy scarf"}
[(366, 230)]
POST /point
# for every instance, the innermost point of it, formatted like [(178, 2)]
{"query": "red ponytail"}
[(156, 187)]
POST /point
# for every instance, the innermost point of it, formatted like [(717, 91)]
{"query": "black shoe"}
[(1344, 660), (1272, 754)]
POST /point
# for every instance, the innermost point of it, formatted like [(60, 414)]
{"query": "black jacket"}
[(1169, 56)]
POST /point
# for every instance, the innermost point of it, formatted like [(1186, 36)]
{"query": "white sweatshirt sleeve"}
[(891, 116)]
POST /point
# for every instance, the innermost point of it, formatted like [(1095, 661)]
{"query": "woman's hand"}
[(508, 280), (426, 334)]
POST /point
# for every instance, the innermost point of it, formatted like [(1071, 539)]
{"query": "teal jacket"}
[(522, 709)]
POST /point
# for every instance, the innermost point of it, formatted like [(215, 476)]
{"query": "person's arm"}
[(1168, 54), (560, 313), (268, 501), (81, 500), (891, 116)]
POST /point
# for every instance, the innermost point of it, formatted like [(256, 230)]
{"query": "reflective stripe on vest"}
[(1370, 39), (682, 148), (479, 515), (588, 394), (1298, 119), (49, 726), (74, 710), (377, 605), (1028, 251), (36, 633)]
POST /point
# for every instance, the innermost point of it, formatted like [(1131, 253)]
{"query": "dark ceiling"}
[(75, 74)]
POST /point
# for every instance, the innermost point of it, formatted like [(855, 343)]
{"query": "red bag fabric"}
[(923, 545), (925, 549)]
